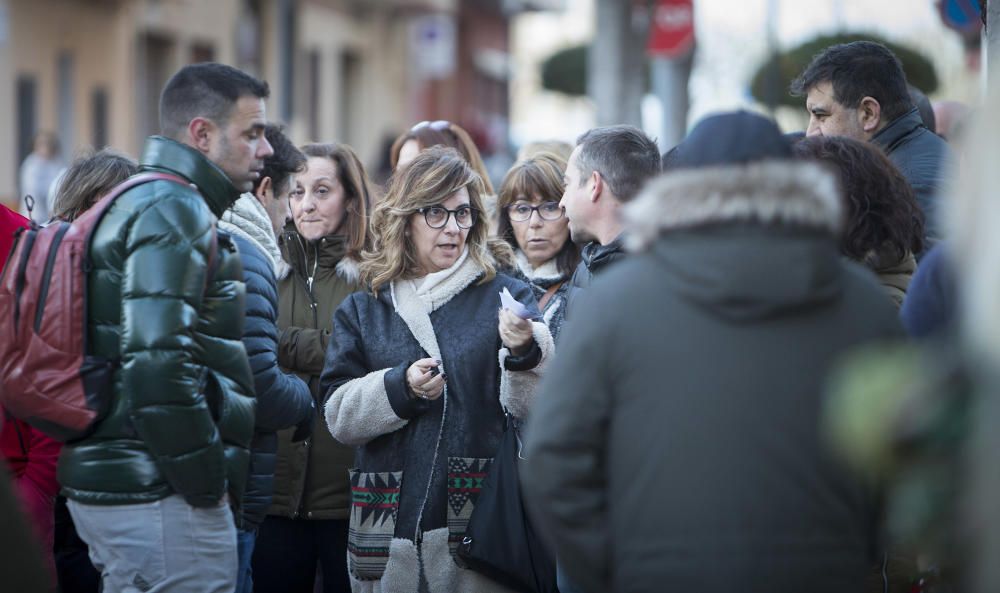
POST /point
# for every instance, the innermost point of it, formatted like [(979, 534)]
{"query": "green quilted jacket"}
[(182, 409)]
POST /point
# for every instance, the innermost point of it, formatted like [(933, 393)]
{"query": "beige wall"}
[(377, 39), (106, 39), (38, 32), (103, 38)]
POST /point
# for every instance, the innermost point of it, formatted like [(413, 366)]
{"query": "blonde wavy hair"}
[(428, 180)]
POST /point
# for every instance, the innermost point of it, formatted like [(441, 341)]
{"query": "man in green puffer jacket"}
[(148, 489)]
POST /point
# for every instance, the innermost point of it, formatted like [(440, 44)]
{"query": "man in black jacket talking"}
[(606, 170)]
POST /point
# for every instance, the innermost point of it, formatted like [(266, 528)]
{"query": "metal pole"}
[(615, 76), (773, 77), (992, 34), (670, 78)]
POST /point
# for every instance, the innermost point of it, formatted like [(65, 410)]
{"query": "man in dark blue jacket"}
[(283, 400), (859, 90)]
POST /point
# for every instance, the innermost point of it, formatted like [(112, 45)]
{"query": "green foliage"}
[(566, 71), (770, 83)]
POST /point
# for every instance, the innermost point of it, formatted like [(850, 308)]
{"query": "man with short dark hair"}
[(149, 489), (607, 169), (278, 177), (859, 90)]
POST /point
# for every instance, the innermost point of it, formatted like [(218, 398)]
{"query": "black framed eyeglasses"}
[(440, 125), (437, 217), (546, 210)]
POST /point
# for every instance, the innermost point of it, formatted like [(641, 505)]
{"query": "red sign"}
[(671, 31)]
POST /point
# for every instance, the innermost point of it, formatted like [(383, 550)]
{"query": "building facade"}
[(352, 71)]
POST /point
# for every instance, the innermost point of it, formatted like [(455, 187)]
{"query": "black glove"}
[(304, 429)]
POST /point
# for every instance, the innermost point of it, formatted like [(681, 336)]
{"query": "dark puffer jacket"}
[(283, 400), (922, 156), (594, 258), (182, 409)]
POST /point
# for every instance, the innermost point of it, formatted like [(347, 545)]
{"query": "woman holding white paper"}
[(419, 370), (534, 224)]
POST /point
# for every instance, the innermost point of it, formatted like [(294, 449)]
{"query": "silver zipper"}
[(418, 536)]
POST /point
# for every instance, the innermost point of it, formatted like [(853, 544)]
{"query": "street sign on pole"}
[(433, 42), (962, 15), (671, 31)]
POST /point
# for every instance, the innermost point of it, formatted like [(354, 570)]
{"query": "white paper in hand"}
[(507, 301)]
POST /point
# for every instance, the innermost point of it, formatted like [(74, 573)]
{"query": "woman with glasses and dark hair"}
[(420, 369), (306, 525), (534, 224)]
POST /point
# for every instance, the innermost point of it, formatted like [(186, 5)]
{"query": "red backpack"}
[(47, 378)]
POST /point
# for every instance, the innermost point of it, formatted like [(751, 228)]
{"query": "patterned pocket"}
[(465, 480), (374, 505)]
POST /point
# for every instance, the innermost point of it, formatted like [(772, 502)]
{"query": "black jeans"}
[(288, 551)]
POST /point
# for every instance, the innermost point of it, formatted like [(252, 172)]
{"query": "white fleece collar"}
[(427, 284), (415, 305), (792, 193), (547, 271), (248, 219)]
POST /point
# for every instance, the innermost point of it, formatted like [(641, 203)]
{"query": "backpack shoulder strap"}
[(137, 180), (101, 207), (548, 295)]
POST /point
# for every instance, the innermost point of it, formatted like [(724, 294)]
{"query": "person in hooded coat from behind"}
[(675, 443)]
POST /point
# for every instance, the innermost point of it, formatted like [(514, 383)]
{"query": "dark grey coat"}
[(922, 156), (675, 444)]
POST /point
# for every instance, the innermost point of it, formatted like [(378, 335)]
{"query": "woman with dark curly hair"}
[(883, 226)]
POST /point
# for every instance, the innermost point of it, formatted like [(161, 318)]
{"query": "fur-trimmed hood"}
[(745, 242), (309, 257), (782, 193)]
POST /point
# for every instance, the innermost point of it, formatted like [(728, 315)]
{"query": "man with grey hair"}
[(607, 169)]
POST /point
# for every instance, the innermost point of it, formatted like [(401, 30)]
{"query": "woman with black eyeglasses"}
[(420, 368), (534, 224)]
